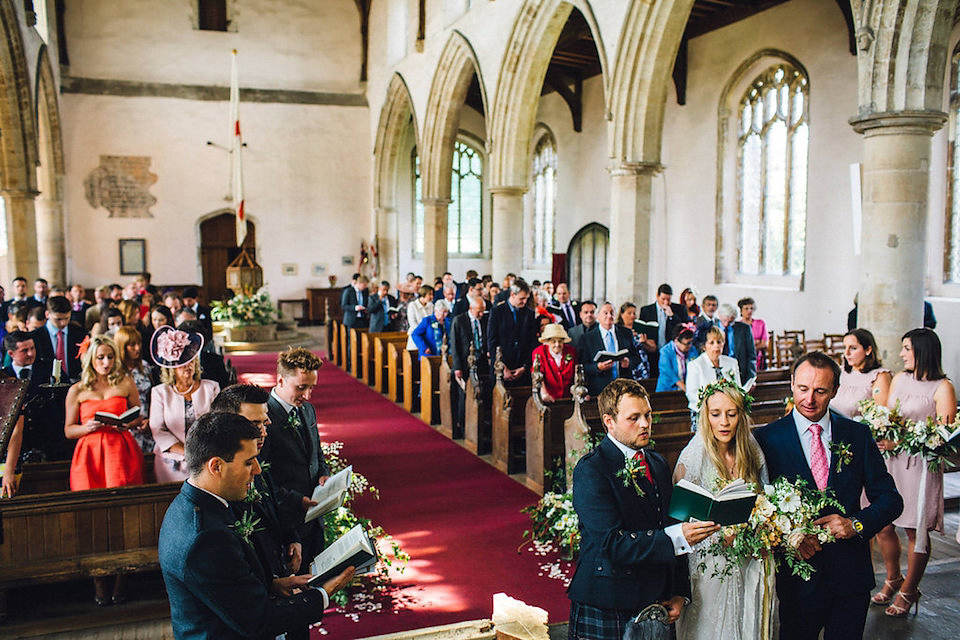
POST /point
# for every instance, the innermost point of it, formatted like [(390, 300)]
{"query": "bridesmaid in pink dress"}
[(923, 391), (758, 327), (862, 376)]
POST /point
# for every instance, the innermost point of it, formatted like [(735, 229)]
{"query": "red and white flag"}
[(236, 150)]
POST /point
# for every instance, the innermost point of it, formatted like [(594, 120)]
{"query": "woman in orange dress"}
[(105, 456)]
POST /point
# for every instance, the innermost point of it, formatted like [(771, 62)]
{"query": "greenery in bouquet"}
[(781, 519), (340, 521), (930, 440), (885, 423), (244, 310)]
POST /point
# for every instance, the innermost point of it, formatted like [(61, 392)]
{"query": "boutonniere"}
[(293, 421), (631, 472), (246, 526), (842, 453), (567, 358)]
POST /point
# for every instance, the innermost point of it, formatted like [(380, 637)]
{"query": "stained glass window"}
[(544, 198), (772, 173), (951, 257)]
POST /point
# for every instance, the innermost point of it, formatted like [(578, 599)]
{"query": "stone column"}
[(434, 237), (508, 232), (21, 233), (896, 174), (51, 252), (631, 209), (385, 224)]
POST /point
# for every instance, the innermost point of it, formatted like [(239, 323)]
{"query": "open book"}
[(731, 505), (603, 356), (330, 495), (354, 548), (121, 420)]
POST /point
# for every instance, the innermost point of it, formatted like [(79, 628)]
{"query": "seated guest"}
[(674, 357), (567, 310), (216, 587), (181, 398), (105, 456), (739, 343), (31, 318), (588, 321), (111, 320), (688, 300), (557, 361), (60, 340), (381, 304), (706, 319), (160, 316), (41, 290), (185, 314), (547, 287), (130, 346), (97, 310), (130, 311), (708, 367), (212, 366), (627, 318), (758, 328), (428, 336), (512, 328), (611, 337), (417, 311)]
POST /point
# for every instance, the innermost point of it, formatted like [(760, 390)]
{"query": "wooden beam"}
[(363, 6), (680, 72), (847, 12), (573, 98)]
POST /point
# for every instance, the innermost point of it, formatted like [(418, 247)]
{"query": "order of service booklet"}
[(603, 356), (330, 495), (121, 420), (731, 505), (354, 548)]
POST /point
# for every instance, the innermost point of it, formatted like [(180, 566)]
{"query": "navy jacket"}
[(591, 343), (380, 320), (516, 339), (743, 350), (218, 588), (843, 567), (348, 302), (626, 560)]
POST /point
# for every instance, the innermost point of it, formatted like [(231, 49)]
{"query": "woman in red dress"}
[(557, 361), (105, 456)]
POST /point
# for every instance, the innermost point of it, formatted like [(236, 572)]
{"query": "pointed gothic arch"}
[(51, 250)]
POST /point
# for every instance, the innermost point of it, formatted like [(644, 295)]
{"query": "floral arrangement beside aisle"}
[(241, 310)]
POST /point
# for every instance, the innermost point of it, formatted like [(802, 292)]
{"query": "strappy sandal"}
[(912, 600), (882, 598)]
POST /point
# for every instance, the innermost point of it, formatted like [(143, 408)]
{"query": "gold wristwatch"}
[(857, 526)]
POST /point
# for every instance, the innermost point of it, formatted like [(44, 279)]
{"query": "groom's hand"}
[(694, 532), (836, 524), (674, 606)]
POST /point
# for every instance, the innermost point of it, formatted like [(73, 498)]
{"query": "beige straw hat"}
[(554, 331)]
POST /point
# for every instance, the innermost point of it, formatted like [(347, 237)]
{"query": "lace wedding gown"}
[(741, 607)]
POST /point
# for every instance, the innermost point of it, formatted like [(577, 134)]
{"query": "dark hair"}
[(59, 304), (818, 360), (665, 288), (683, 294), (20, 279), (867, 341), (680, 332), (111, 312), (711, 298), (190, 292), (115, 287), (163, 310), (519, 286), (585, 302), (13, 309), (232, 397), (926, 354), (471, 273), (472, 282), (623, 308), (43, 280), (35, 312), (14, 338), (195, 326), (742, 302), (152, 290), (217, 435), (437, 280), (355, 276), (384, 283), (536, 283)]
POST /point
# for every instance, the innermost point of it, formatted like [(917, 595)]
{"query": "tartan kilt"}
[(593, 623)]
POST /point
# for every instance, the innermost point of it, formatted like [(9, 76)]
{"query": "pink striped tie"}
[(818, 458)]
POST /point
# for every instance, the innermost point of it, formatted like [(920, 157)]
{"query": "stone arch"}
[(396, 118), (457, 65), (18, 147), (51, 252)]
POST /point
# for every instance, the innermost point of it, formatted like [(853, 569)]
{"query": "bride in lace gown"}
[(741, 607)]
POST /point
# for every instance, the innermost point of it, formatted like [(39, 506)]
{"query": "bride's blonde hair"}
[(748, 459)]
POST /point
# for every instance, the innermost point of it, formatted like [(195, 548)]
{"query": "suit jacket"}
[(348, 302), (461, 336), (744, 350), (648, 313), (217, 586), (462, 305), (80, 316), (557, 380), (576, 333), (270, 540), (46, 349), (213, 368), (626, 560), (843, 567), (40, 372), (516, 339), (557, 310), (380, 320), (669, 368), (428, 336), (591, 343)]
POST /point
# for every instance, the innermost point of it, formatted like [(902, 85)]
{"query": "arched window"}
[(544, 181), (951, 253), (772, 140)]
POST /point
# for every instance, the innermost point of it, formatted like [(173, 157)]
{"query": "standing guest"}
[(440, 292), (448, 297), (216, 585), (382, 309), (130, 346), (492, 293), (105, 456), (172, 302), (923, 392), (836, 597), (608, 337), (513, 329), (18, 294), (474, 290), (505, 289), (31, 318), (547, 287), (667, 315), (631, 556), (588, 321), (24, 366), (111, 320), (758, 328), (706, 319), (417, 311), (79, 304), (675, 357), (862, 376), (406, 298), (710, 366), (738, 343), (688, 300), (627, 316), (41, 290), (567, 310), (292, 447), (181, 398), (191, 300), (355, 302), (429, 334), (185, 314), (468, 329), (557, 360), (103, 302), (116, 293), (60, 340)]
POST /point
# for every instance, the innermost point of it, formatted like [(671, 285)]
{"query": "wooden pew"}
[(333, 331), (448, 397), (343, 338), (356, 352), (477, 417), (411, 381), (508, 421), (544, 433), (430, 389), (395, 352), (380, 357)]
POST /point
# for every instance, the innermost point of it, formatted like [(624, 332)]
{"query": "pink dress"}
[(854, 387), (759, 329), (916, 403)]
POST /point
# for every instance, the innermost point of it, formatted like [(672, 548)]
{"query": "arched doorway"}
[(218, 247), (587, 263)]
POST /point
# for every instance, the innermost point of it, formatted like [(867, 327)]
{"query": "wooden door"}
[(218, 247)]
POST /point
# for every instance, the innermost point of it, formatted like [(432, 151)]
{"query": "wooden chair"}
[(583, 424), (356, 352), (344, 342)]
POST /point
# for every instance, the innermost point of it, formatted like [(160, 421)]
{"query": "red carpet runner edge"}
[(457, 516)]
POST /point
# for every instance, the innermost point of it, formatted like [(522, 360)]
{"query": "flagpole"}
[(236, 151)]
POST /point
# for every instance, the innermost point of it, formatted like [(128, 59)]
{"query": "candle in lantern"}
[(56, 372)]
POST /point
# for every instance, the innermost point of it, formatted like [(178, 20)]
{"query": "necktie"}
[(730, 340), (612, 348), (718, 371), (818, 458), (477, 342), (60, 351), (568, 311), (25, 373), (662, 328), (682, 366), (646, 468)]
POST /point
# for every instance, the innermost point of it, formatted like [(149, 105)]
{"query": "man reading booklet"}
[(352, 549), (330, 495), (731, 505)]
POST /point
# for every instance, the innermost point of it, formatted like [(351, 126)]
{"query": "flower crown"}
[(720, 384)]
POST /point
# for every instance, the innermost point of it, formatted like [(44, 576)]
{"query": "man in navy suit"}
[(381, 303), (631, 556), (513, 328), (800, 446), (567, 309), (218, 587), (667, 315), (59, 339), (606, 337)]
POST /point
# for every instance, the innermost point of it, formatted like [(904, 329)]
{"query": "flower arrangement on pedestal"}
[(248, 318)]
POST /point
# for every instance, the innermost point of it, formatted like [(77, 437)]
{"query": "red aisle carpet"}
[(457, 516)]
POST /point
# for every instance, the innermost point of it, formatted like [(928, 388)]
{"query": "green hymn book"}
[(731, 505)]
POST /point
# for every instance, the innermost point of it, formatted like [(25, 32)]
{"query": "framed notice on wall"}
[(133, 256)]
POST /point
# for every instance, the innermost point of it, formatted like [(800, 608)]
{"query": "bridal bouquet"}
[(885, 423), (930, 440), (782, 517)]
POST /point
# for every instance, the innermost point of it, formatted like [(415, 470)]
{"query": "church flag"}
[(236, 149)]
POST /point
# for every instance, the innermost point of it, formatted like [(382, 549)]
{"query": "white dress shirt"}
[(806, 436)]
